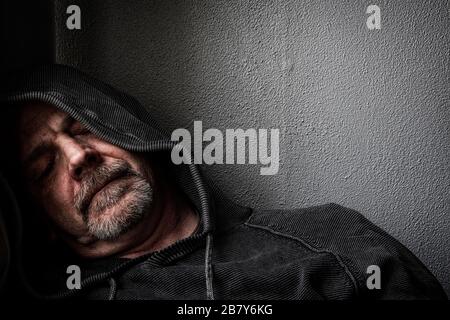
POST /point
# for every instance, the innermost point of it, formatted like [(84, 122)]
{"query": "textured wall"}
[(364, 115)]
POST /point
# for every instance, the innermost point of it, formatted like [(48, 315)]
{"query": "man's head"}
[(99, 196)]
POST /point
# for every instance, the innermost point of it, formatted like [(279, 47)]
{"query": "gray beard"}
[(137, 205), (110, 227)]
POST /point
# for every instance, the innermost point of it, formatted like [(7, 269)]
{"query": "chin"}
[(117, 220)]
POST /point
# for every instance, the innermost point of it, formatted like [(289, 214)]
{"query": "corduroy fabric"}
[(315, 253)]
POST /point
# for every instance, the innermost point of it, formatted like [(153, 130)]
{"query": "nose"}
[(80, 158)]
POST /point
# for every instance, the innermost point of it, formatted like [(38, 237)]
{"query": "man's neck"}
[(178, 220)]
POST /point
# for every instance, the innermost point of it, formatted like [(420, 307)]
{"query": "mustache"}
[(96, 179)]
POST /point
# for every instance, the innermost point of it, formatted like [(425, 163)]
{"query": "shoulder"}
[(329, 211), (325, 221), (358, 244), (329, 227)]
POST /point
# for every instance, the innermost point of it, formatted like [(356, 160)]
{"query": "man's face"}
[(93, 191)]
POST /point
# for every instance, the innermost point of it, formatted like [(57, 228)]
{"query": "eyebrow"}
[(46, 146)]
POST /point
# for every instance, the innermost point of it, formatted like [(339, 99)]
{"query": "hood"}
[(121, 120)]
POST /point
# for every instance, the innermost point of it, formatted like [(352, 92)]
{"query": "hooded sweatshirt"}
[(321, 252)]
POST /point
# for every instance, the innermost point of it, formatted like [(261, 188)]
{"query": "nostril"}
[(91, 158), (78, 171)]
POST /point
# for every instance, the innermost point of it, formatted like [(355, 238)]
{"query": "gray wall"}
[(364, 115)]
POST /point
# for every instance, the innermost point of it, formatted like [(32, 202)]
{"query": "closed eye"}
[(46, 171), (78, 129)]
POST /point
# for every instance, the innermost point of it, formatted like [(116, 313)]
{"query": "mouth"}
[(86, 203)]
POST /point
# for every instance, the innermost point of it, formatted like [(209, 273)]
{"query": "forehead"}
[(37, 116), (38, 122)]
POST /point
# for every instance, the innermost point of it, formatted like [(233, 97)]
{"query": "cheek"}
[(136, 160), (57, 200), (141, 165)]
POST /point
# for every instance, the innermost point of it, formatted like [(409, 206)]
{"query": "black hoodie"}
[(321, 252)]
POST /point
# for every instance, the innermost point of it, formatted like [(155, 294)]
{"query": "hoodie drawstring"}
[(208, 267), (208, 273), (112, 289)]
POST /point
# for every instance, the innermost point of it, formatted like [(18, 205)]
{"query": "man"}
[(104, 196)]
